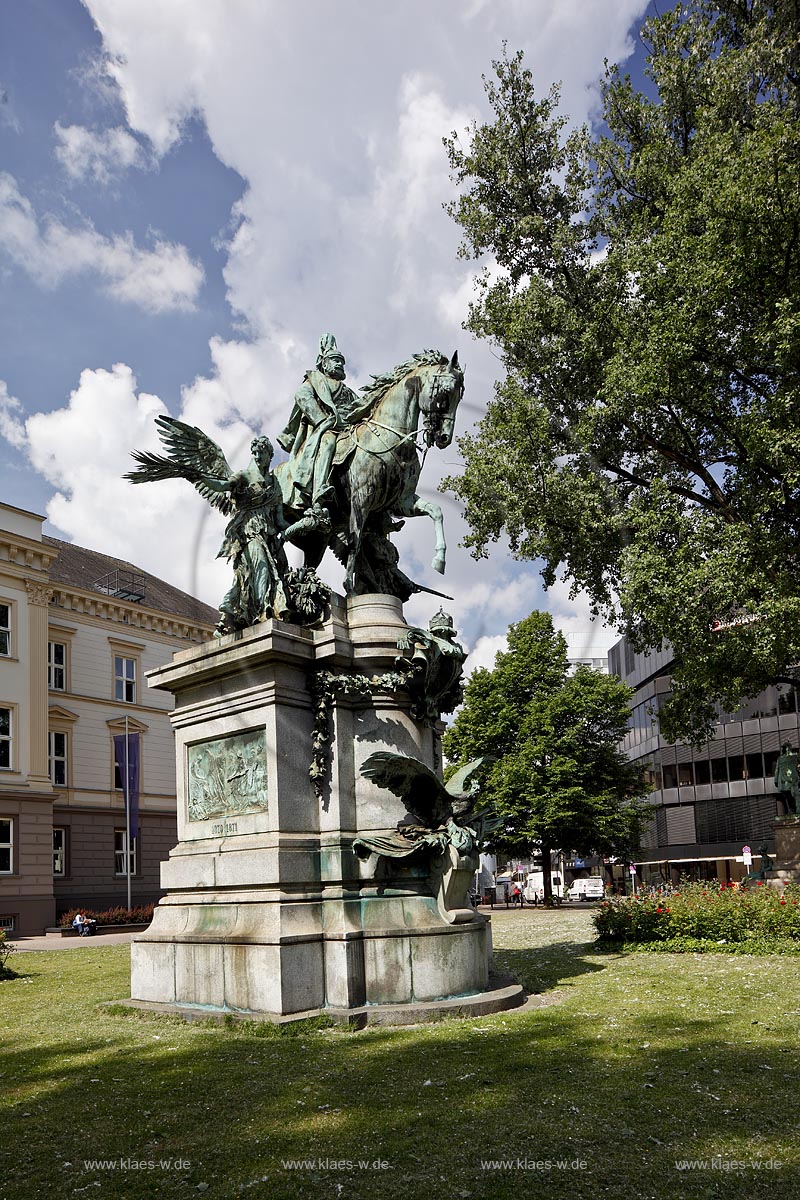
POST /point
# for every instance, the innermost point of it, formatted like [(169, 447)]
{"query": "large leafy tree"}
[(559, 778), (646, 305)]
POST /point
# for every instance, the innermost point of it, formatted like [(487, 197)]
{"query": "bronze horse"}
[(375, 475)]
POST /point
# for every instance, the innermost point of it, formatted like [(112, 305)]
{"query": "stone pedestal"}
[(787, 850), (268, 912)]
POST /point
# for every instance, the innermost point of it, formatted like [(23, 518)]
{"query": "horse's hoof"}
[(438, 564)]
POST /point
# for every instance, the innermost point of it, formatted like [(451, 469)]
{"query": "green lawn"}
[(635, 1062)]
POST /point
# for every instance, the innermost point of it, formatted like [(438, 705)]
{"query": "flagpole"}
[(127, 814)]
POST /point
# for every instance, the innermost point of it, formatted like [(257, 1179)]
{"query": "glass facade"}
[(712, 799)]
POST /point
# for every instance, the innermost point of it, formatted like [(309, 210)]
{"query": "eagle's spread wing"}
[(191, 454), (458, 784), (418, 787)]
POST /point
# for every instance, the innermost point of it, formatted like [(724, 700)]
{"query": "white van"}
[(534, 886), (591, 888)]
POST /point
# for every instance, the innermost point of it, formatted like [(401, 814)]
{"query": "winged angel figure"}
[(442, 814), (264, 585)]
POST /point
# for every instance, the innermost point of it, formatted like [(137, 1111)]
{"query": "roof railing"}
[(124, 585)]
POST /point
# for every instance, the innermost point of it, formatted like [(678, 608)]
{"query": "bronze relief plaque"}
[(227, 776)]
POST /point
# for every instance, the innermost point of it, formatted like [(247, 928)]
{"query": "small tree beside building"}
[(560, 779)]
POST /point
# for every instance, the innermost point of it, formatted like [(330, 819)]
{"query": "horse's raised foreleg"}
[(415, 506)]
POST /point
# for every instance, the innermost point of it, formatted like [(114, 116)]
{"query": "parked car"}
[(590, 888)]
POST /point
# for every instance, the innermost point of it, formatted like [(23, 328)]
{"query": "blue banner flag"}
[(131, 786)]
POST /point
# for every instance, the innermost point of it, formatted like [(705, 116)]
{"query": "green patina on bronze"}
[(353, 465), (349, 482), (787, 778), (264, 585), (433, 673), (227, 776), (440, 814)]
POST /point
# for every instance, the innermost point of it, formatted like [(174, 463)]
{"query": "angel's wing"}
[(417, 786), (458, 784), (191, 454)]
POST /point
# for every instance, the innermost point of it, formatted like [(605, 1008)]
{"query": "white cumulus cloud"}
[(162, 279), (99, 155), (12, 427), (332, 115), (83, 449)]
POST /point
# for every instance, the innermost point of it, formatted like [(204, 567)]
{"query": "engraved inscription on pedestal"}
[(227, 776)]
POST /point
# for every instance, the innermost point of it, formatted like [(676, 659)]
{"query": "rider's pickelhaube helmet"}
[(327, 347)]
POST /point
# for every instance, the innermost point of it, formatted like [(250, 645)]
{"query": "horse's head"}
[(439, 400)]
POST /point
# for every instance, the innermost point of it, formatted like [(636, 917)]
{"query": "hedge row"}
[(111, 916)]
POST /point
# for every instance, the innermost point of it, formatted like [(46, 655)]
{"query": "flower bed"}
[(705, 917), (111, 916)]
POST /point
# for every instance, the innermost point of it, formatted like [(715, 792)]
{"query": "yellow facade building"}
[(78, 632)]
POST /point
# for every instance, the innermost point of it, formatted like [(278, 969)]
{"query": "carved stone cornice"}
[(38, 593)]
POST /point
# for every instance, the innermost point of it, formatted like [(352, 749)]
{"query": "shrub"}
[(700, 916), (111, 916), (6, 950)]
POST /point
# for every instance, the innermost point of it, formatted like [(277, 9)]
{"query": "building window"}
[(5, 630), (125, 679), (5, 739), (57, 758), (120, 841), (59, 851), (670, 771), (719, 770), (6, 846), (56, 666)]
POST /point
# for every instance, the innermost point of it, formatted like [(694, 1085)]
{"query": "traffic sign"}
[(747, 856)]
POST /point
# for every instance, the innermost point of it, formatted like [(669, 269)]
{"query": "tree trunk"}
[(547, 877)]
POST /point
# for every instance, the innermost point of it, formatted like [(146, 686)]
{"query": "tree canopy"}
[(560, 778), (643, 289)]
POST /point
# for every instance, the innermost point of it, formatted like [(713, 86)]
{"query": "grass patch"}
[(646, 1059)]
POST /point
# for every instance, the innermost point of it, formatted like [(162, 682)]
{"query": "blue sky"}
[(191, 193)]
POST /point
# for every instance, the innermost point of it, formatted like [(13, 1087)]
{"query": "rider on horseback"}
[(323, 407)]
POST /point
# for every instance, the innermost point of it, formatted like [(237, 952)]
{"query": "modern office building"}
[(78, 632), (710, 802)]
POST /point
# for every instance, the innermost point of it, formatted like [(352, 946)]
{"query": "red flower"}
[(761, 883), (667, 910), (658, 910)]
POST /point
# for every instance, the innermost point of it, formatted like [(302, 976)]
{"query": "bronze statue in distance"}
[(787, 779)]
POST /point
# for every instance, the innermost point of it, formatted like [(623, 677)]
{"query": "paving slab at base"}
[(482, 1004)]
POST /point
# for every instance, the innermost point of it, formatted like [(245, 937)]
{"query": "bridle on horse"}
[(431, 420)]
